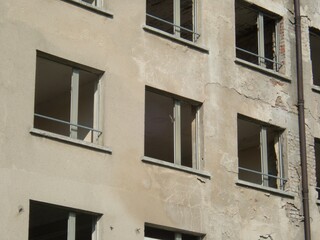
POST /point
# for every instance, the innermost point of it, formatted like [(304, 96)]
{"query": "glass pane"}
[(52, 97), (87, 84), (269, 40), (246, 33), (84, 226), (159, 124), (186, 18), (47, 222), (249, 151), (155, 233), (315, 57), (160, 9), (188, 117)]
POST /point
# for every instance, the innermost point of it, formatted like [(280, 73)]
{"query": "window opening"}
[(315, 58), (66, 100), (260, 154), (257, 36), (51, 222), (95, 3), (171, 129), (152, 233), (317, 159), (177, 17)]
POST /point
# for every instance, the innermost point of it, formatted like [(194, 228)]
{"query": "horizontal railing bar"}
[(175, 25), (68, 123), (260, 173), (243, 50)]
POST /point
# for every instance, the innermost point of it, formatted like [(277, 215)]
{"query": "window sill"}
[(318, 201), (265, 189), (77, 142), (90, 7), (176, 167), (315, 88), (175, 38), (262, 70)]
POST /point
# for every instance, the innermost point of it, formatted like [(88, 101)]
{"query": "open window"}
[(317, 159), (67, 98), (177, 17), (157, 233), (257, 36), (260, 153), (52, 222), (95, 3), (171, 128), (315, 57)]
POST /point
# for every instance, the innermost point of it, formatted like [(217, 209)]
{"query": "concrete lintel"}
[(270, 190), (175, 39), (66, 139), (176, 167)]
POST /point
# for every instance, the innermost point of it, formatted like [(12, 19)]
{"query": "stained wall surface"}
[(127, 191)]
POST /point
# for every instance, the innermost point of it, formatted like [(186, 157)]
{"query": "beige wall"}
[(127, 191)]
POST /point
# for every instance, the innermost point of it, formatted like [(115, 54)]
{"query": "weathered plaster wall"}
[(125, 190)]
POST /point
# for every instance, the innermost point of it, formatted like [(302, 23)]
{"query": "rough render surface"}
[(125, 190)]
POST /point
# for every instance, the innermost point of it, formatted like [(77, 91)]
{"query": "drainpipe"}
[(302, 131)]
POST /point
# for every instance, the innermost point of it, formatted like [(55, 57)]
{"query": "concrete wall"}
[(127, 191)]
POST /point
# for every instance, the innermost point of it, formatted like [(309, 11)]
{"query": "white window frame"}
[(177, 23)]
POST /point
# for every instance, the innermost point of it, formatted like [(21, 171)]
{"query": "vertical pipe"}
[(302, 133)]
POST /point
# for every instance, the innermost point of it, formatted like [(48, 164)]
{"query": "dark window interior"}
[(50, 222), (317, 157), (160, 128), (161, 9), (249, 152), (315, 57), (53, 98), (156, 233), (164, 9), (247, 35)]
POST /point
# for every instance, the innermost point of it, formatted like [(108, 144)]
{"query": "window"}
[(51, 222), (260, 153), (257, 36), (155, 233), (317, 158), (67, 98), (315, 58), (177, 17), (96, 3), (171, 129)]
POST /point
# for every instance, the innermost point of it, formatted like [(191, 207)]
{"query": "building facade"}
[(156, 119)]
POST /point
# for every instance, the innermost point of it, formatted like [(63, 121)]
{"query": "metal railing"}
[(278, 64), (68, 123), (282, 180), (194, 34)]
